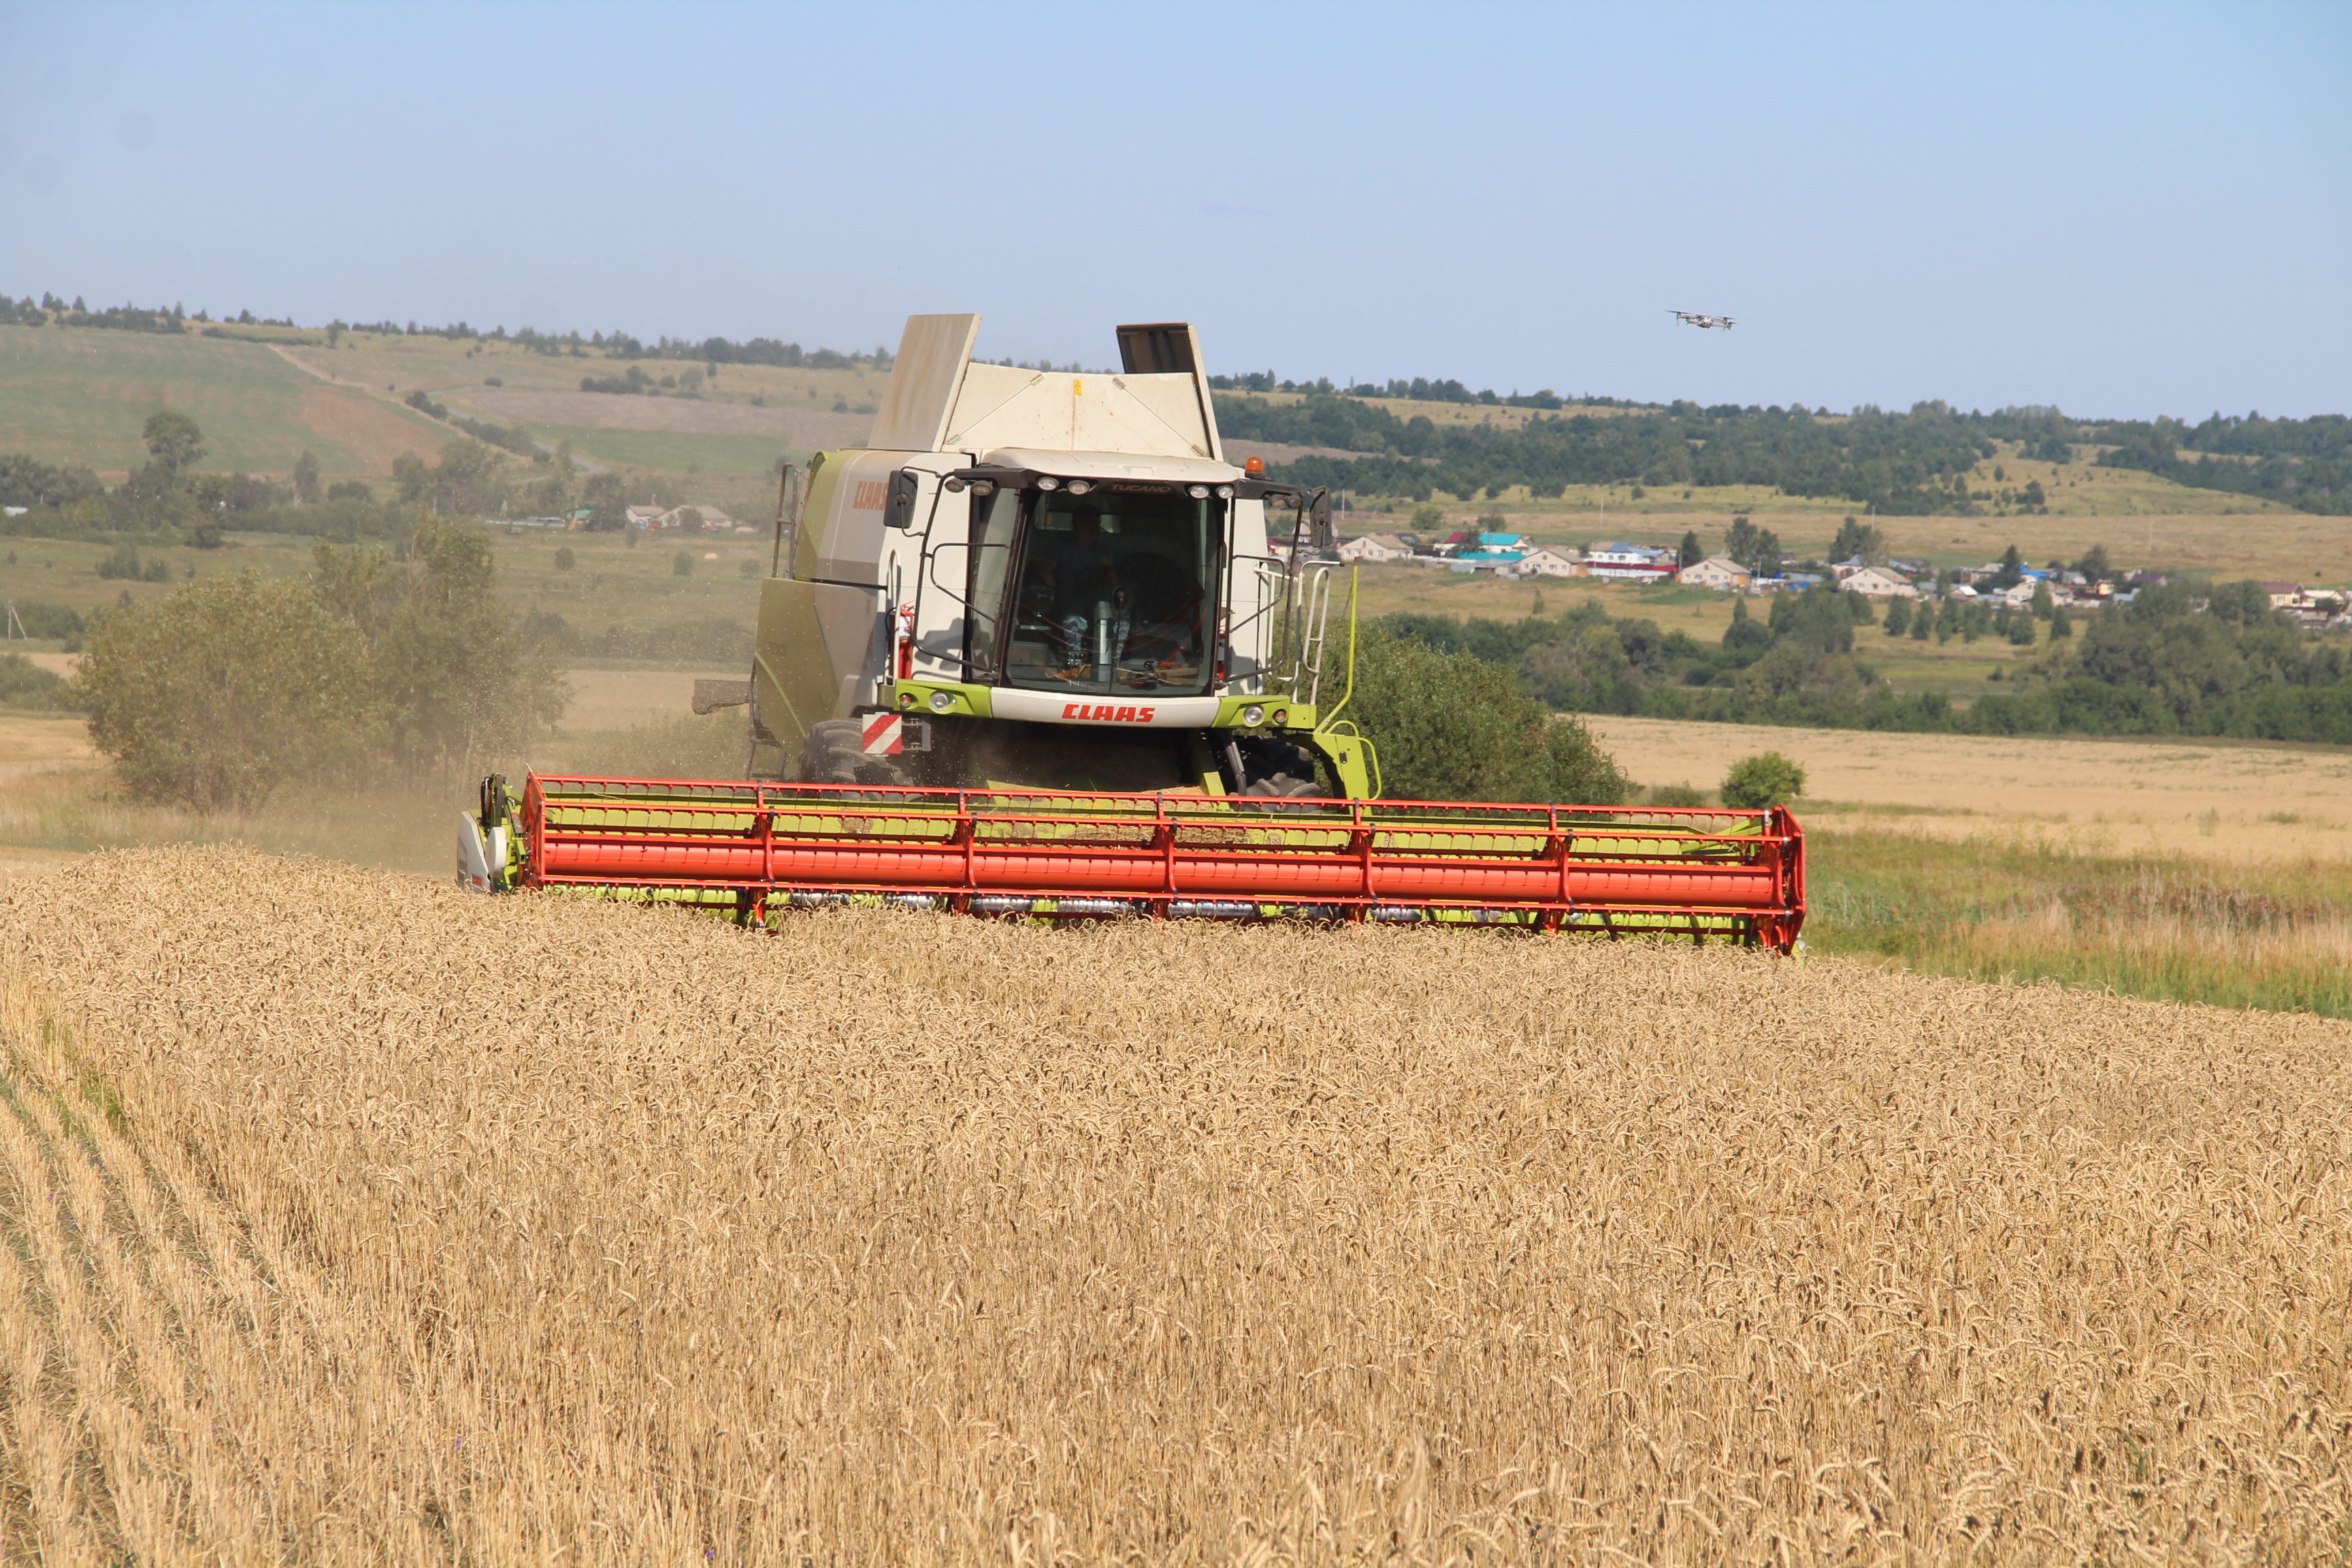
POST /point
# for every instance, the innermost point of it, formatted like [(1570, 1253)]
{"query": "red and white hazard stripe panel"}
[(883, 734)]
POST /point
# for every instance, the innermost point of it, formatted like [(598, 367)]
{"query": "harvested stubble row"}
[(353, 1219)]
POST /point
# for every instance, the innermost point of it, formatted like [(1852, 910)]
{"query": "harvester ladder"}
[(1314, 624)]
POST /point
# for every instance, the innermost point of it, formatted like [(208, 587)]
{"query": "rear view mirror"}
[(1318, 520), (900, 511)]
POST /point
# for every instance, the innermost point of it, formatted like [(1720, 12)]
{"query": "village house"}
[(646, 516), (1630, 563), (1720, 572), (1542, 562), (1877, 583), (1374, 547)]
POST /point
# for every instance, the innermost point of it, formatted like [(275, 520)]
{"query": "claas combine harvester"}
[(1041, 652)]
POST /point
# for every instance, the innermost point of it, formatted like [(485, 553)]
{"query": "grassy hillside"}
[(675, 451), (81, 395)]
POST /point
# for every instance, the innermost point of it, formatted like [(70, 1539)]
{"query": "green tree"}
[(2062, 625), (1898, 615), (1923, 622), (1766, 779), (2043, 604), (467, 478), (1452, 726), (1818, 618), (2094, 565), (2243, 604), (564, 559), (456, 679), (1740, 541), (218, 694), (608, 500), (1744, 634), (173, 441), (1858, 541), (682, 563), (411, 478), (306, 478), (1692, 553)]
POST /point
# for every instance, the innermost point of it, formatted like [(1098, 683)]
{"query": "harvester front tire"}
[(1277, 769), (833, 752)]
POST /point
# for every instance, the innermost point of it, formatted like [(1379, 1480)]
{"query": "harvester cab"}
[(1041, 650), (1051, 580)]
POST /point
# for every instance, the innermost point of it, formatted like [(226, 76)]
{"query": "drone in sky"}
[(1697, 319)]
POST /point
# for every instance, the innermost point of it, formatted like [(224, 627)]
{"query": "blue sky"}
[(2118, 209)]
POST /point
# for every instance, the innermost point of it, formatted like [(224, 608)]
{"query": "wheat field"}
[(350, 1219)]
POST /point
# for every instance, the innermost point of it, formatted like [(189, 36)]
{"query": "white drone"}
[(1696, 319)]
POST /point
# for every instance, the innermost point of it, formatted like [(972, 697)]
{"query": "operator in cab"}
[(1089, 605)]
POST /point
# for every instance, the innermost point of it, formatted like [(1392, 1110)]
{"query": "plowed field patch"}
[(365, 433)]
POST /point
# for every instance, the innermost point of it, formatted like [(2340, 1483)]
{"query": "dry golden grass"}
[(350, 1219), (2215, 801)]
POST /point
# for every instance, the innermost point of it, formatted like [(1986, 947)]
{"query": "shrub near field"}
[(357, 1220)]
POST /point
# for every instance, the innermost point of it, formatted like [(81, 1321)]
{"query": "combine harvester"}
[(1041, 652)]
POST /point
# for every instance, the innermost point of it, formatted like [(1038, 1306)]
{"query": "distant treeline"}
[(720, 640), (1908, 464), (25, 312), (1419, 388), (515, 439), (2302, 463), (2182, 659)]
